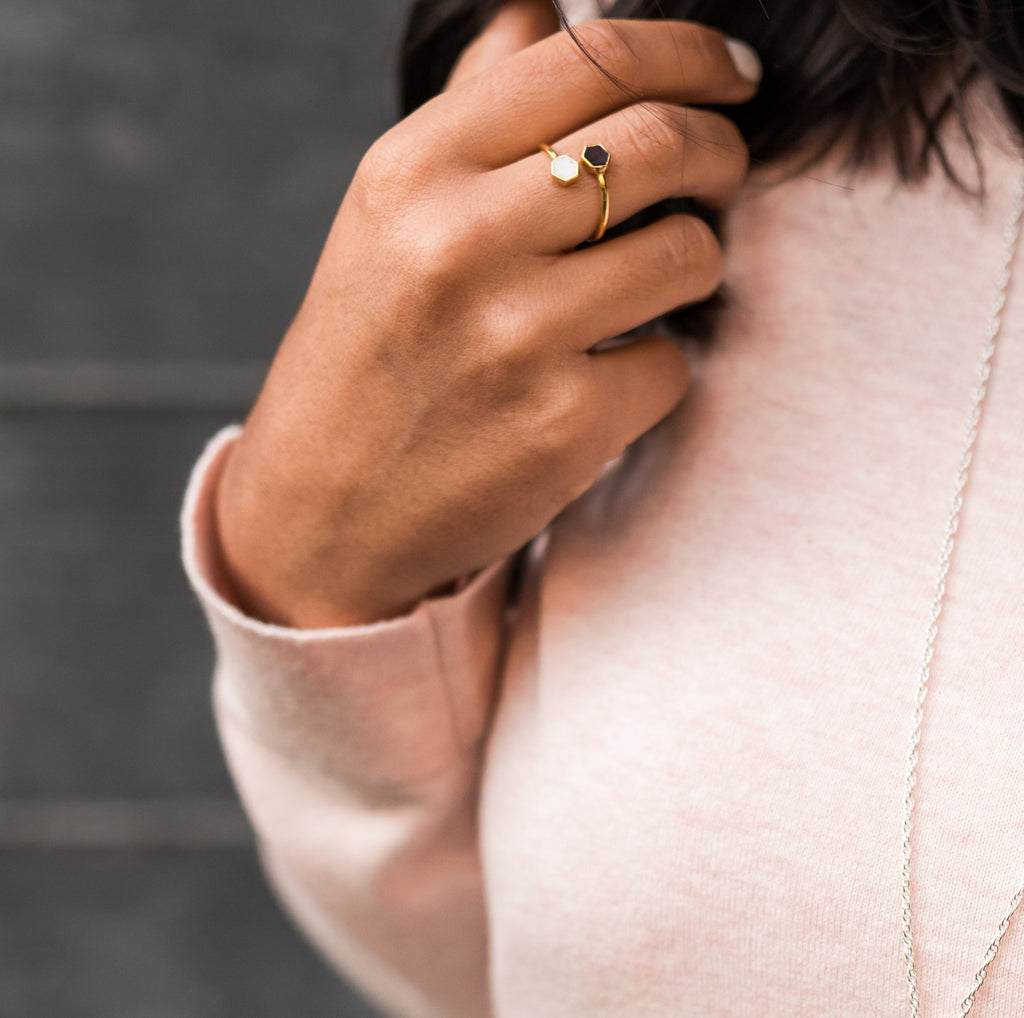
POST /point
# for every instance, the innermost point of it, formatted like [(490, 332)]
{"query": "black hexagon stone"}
[(596, 155)]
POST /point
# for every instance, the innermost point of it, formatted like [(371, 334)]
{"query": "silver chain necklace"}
[(1010, 236)]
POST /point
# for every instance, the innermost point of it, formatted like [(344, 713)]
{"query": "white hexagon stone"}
[(565, 169)]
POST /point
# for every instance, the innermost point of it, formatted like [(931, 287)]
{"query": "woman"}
[(662, 770)]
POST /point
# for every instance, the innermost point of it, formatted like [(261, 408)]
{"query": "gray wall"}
[(168, 172)]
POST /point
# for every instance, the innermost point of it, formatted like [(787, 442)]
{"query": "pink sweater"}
[(678, 789)]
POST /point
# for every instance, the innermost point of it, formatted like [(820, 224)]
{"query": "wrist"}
[(288, 561)]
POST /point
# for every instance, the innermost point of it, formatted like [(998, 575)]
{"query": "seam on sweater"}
[(459, 739)]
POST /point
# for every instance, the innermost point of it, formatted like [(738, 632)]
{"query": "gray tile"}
[(106, 659), (154, 935), (167, 175), (123, 824), (168, 171)]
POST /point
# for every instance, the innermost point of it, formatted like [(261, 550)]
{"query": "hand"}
[(436, 401)]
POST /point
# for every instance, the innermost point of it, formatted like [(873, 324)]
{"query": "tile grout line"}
[(89, 384), (123, 824)]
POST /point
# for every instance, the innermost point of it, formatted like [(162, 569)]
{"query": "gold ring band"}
[(596, 159)]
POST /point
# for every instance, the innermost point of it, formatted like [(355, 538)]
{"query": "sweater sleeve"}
[(356, 753)]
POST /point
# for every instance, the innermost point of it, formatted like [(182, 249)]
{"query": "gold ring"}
[(564, 169), (596, 159)]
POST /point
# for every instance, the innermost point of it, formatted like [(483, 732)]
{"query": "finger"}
[(516, 25), (657, 152), (632, 388), (611, 288), (552, 89)]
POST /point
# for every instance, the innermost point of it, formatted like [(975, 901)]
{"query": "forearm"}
[(357, 752)]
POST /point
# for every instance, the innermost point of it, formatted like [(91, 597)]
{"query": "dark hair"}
[(883, 73)]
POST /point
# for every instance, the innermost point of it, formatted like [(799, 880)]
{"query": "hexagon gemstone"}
[(596, 157), (565, 169)]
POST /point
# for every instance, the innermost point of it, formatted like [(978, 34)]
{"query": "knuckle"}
[(380, 186), (671, 256), (691, 150), (559, 424), (704, 51), (654, 131), (381, 164), (717, 132), (605, 42), (461, 245), (565, 435), (561, 409), (723, 140), (689, 255), (502, 346), (703, 265), (445, 251)]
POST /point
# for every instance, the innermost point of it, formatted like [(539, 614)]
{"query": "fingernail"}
[(746, 60)]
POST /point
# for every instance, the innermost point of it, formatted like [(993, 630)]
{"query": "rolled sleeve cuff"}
[(382, 707)]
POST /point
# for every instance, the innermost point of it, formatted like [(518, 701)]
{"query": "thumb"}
[(517, 24)]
